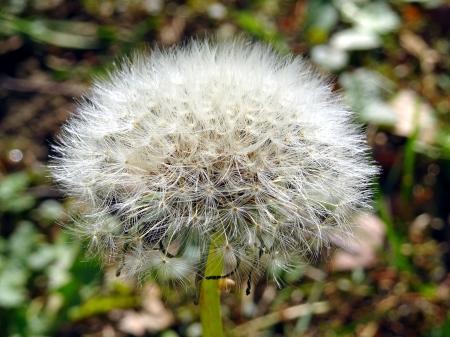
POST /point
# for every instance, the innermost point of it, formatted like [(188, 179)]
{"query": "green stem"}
[(210, 313)]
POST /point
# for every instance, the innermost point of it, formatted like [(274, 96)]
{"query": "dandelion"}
[(226, 148)]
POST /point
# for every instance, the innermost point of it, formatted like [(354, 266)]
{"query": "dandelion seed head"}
[(230, 138)]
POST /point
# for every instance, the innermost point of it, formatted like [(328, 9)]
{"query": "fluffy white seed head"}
[(226, 139)]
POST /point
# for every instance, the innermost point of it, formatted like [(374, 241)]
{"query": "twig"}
[(287, 314), (45, 87)]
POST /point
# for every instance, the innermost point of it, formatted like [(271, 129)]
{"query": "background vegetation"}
[(390, 60)]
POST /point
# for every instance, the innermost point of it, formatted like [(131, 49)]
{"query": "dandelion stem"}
[(210, 312)]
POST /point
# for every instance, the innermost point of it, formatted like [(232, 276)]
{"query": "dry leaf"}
[(153, 318), (406, 105), (361, 251)]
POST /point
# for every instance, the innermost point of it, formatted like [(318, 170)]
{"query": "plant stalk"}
[(210, 313)]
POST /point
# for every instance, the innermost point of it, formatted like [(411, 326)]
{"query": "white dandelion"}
[(208, 139)]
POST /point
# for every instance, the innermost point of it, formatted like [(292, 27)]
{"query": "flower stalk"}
[(210, 312)]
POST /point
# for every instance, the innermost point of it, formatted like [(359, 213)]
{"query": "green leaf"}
[(13, 184), (396, 239), (66, 34), (12, 193), (12, 285), (23, 241), (365, 92), (101, 305), (259, 29)]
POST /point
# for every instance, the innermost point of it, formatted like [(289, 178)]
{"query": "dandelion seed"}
[(210, 139)]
